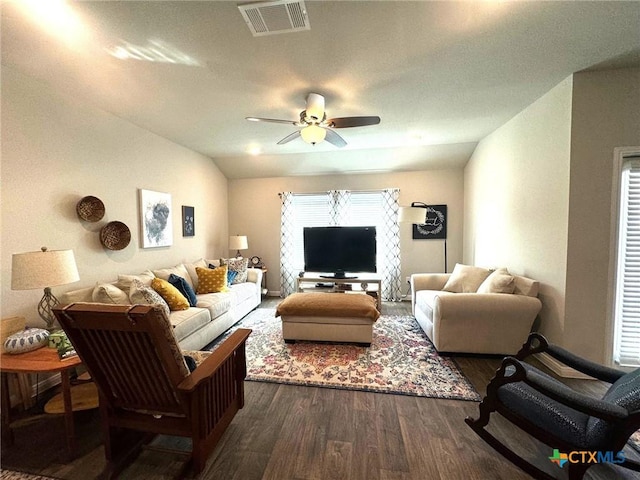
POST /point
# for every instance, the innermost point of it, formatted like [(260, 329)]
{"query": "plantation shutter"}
[(627, 311)]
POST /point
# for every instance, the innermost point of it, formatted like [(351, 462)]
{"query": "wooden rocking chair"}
[(562, 418), (144, 384)]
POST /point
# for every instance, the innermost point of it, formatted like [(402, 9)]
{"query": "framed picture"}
[(188, 221), (155, 219), (436, 226)]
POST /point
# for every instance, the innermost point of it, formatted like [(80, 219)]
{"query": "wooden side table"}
[(43, 360)]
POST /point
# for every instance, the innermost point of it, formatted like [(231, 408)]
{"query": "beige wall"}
[(606, 115), (56, 150), (516, 200), (254, 210), (547, 174)]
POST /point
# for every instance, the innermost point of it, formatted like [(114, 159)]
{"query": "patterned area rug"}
[(401, 360)]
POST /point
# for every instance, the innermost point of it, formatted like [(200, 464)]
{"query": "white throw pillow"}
[(191, 268), (500, 281), (109, 293), (124, 281), (465, 279), (179, 270)]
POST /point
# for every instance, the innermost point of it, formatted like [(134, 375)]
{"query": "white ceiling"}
[(441, 75)]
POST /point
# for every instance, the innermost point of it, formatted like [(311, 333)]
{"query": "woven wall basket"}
[(115, 236), (90, 209)]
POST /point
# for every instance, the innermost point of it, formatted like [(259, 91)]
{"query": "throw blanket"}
[(328, 305)]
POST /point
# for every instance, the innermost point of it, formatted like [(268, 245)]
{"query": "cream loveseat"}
[(475, 310), (196, 326)]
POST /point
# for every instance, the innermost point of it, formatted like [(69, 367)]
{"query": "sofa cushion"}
[(109, 293), (500, 281), (239, 265), (179, 270), (170, 294), (185, 322), (243, 291), (124, 281), (145, 295), (184, 288), (212, 280), (217, 303), (465, 279)]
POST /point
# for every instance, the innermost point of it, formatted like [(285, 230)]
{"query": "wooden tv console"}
[(369, 284)]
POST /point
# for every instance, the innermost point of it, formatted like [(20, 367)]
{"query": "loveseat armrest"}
[(426, 281)]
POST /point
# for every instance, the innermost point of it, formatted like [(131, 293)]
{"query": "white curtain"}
[(287, 227), (341, 208)]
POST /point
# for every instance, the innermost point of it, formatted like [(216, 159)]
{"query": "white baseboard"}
[(560, 368)]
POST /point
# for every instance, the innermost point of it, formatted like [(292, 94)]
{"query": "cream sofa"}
[(197, 326), (491, 313)]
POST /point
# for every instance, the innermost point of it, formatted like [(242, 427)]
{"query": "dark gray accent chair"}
[(557, 415)]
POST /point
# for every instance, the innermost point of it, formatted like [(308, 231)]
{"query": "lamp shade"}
[(412, 215), (313, 134), (238, 242), (42, 269)]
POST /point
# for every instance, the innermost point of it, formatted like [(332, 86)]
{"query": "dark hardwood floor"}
[(306, 433)]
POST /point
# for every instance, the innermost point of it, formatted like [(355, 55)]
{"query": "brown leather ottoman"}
[(330, 317)]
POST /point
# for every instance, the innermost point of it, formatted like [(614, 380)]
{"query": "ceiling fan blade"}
[(335, 139), (288, 138), (271, 120), (345, 122)]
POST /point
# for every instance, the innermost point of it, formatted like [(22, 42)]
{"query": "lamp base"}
[(45, 307)]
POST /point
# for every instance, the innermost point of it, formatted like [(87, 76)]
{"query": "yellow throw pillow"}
[(212, 280), (170, 294)]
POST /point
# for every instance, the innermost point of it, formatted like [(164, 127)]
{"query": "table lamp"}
[(44, 269), (238, 242), (417, 213)]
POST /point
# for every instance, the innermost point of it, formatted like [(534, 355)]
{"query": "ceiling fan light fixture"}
[(315, 107), (313, 134)]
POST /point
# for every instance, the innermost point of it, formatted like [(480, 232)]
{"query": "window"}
[(626, 350), (341, 208)]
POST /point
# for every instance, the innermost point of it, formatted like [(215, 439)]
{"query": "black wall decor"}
[(188, 221), (436, 226)]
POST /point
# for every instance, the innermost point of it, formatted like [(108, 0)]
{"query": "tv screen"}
[(338, 250)]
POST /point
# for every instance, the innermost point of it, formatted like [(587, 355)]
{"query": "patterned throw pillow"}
[(237, 265), (212, 280), (142, 294), (170, 294), (184, 288)]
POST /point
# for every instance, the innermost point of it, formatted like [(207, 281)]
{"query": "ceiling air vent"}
[(269, 18)]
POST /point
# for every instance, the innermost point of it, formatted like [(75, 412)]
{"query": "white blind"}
[(627, 311)]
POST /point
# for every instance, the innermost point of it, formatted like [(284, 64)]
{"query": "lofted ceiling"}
[(441, 75)]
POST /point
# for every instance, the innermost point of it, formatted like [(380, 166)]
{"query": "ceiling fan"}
[(317, 127)]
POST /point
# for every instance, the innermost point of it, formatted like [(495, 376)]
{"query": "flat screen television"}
[(337, 250)]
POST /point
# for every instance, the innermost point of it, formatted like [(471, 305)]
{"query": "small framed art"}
[(188, 221)]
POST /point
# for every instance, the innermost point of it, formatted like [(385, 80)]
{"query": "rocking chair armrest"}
[(213, 362), (606, 374), (569, 397)]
